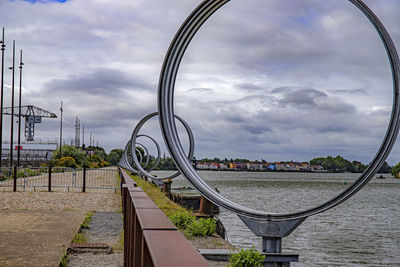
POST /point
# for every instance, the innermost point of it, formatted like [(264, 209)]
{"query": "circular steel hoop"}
[(126, 160), (142, 155), (166, 88), (135, 135), (148, 155)]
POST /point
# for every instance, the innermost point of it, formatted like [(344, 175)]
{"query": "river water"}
[(363, 231)]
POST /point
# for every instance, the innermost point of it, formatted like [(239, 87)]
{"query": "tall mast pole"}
[(12, 106), (61, 109), (3, 46), (83, 135), (19, 109)]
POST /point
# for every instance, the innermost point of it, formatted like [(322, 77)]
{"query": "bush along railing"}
[(189, 224), (247, 257), (149, 234)]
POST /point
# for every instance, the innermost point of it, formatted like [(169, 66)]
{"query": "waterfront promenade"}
[(37, 227)]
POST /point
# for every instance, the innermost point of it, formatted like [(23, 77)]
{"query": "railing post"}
[(15, 179), (205, 206), (49, 179), (84, 180)]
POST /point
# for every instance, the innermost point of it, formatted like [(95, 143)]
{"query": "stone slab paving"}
[(36, 237)]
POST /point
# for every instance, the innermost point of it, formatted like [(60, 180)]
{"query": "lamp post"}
[(3, 46), (12, 106), (61, 110), (19, 109)]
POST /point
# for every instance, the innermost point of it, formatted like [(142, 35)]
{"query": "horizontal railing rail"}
[(149, 234)]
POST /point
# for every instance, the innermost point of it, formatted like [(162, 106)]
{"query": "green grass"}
[(183, 219), (64, 259), (159, 198), (120, 245), (87, 220), (67, 209), (79, 238)]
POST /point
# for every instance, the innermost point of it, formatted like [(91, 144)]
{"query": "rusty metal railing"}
[(150, 238)]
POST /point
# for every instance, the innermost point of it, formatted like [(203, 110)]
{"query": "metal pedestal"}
[(272, 234)]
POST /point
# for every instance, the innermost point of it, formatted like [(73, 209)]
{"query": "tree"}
[(396, 170), (70, 151), (338, 164), (114, 156)]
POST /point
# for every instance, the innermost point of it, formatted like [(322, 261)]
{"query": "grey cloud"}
[(258, 129), (101, 80), (356, 91), (308, 98), (284, 89), (249, 87), (331, 129), (201, 90)]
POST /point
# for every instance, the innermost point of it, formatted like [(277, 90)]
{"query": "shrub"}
[(247, 258), (202, 227), (181, 219), (67, 162)]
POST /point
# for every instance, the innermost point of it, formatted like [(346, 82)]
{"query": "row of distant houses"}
[(260, 166)]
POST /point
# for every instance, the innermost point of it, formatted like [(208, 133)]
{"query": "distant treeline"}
[(340, 164), (329, 163)]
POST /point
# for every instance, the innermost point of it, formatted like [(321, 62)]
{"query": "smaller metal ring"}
[(135, 135)]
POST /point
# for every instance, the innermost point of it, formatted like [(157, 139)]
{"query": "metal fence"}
[(59, 177), (150, 239)]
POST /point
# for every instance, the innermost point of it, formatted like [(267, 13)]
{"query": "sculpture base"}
[(279, 259)]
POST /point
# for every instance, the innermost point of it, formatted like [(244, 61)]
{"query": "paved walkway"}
[(37, 227), (36, 238)]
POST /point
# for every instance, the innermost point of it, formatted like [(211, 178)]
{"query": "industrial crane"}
[(32, 115)]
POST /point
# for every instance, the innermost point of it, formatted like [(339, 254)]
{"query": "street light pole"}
[(61, 109), (19, 109), (12, 106), (3, 46)]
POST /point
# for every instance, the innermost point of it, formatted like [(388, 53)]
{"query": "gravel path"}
[(105, 227), (96, 260)]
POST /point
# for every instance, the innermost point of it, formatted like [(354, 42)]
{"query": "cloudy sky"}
[(278, 80)]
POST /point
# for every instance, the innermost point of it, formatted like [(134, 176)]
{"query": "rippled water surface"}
[(363, 231)]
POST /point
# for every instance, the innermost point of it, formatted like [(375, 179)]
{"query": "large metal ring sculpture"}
[(135, 135), (166, 110)]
